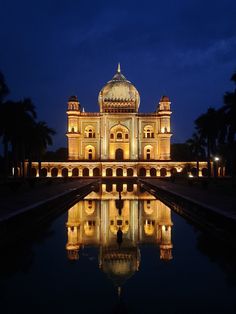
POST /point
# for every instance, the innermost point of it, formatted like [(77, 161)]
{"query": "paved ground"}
[(226, 205), (13, 202)]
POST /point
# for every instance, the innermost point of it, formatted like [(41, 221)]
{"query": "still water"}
[(118, 253)]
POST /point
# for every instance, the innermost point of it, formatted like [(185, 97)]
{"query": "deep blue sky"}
[(186, 49)]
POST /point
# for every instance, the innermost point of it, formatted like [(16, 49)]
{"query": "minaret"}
[(164, 133), (73, 112)]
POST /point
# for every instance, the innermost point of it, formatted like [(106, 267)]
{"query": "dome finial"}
[(118, 68)]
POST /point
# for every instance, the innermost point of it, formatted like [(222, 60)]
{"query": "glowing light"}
[(190, 175), (216, 158)]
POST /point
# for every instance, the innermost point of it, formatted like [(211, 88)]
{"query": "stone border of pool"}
[(16, 223), (210, 218)]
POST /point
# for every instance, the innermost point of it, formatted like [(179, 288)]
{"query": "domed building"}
[(118, 139), (119, 95)]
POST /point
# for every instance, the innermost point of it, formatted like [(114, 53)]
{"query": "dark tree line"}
[(215, 133), (22, 136)]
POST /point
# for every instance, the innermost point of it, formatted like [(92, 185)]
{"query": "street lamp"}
[(216, 159)]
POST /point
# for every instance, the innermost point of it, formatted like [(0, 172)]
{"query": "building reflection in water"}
[(118, 219)]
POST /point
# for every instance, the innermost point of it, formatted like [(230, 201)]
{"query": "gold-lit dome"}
[(119, 263), (119, 95)]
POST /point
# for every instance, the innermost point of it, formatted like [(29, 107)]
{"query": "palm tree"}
[(17, 120), (38, 141), (229, 110), (196, 145), (207, 126), (23, 120)]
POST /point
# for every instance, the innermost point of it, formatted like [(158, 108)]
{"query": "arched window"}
[(90, 154), (119, 133), (148, 131), (119, 154), (148, 152), (89, 132), (119, 136)]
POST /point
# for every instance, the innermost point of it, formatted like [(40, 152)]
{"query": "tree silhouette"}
[(20, 131), (38, 141), (207, 126), (229, 110), (196, 144)]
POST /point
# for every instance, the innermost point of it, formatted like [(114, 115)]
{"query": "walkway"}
[(221, 204), (21, 201)]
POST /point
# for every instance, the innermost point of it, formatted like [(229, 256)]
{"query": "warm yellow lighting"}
[(190, 175)]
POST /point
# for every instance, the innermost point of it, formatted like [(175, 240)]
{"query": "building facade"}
[(119, 132), (118, 140)]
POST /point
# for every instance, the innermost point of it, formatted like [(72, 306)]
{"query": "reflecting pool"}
[(118, 250)]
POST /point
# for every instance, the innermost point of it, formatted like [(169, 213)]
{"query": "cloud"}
[(220, 51)]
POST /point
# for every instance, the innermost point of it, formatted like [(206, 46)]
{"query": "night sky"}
[(185, 49)]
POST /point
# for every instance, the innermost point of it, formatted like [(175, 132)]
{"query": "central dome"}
[(119, 95)]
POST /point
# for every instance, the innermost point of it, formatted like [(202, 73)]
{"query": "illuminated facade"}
[(118, 140), (98, 219), (119, 132)]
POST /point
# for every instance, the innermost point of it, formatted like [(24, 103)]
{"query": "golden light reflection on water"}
[(118, 222)]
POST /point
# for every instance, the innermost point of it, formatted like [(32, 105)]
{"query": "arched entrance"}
[(130, 172), (75, 172), (108, 172), (54, 172), (153, 172), (119, 172), (119, 154), (64, 172), (142, 172), (96, 172), (85, 172), (43, 172), (163, 172)]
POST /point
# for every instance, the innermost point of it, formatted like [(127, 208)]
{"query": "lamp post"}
[(216, 160)]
